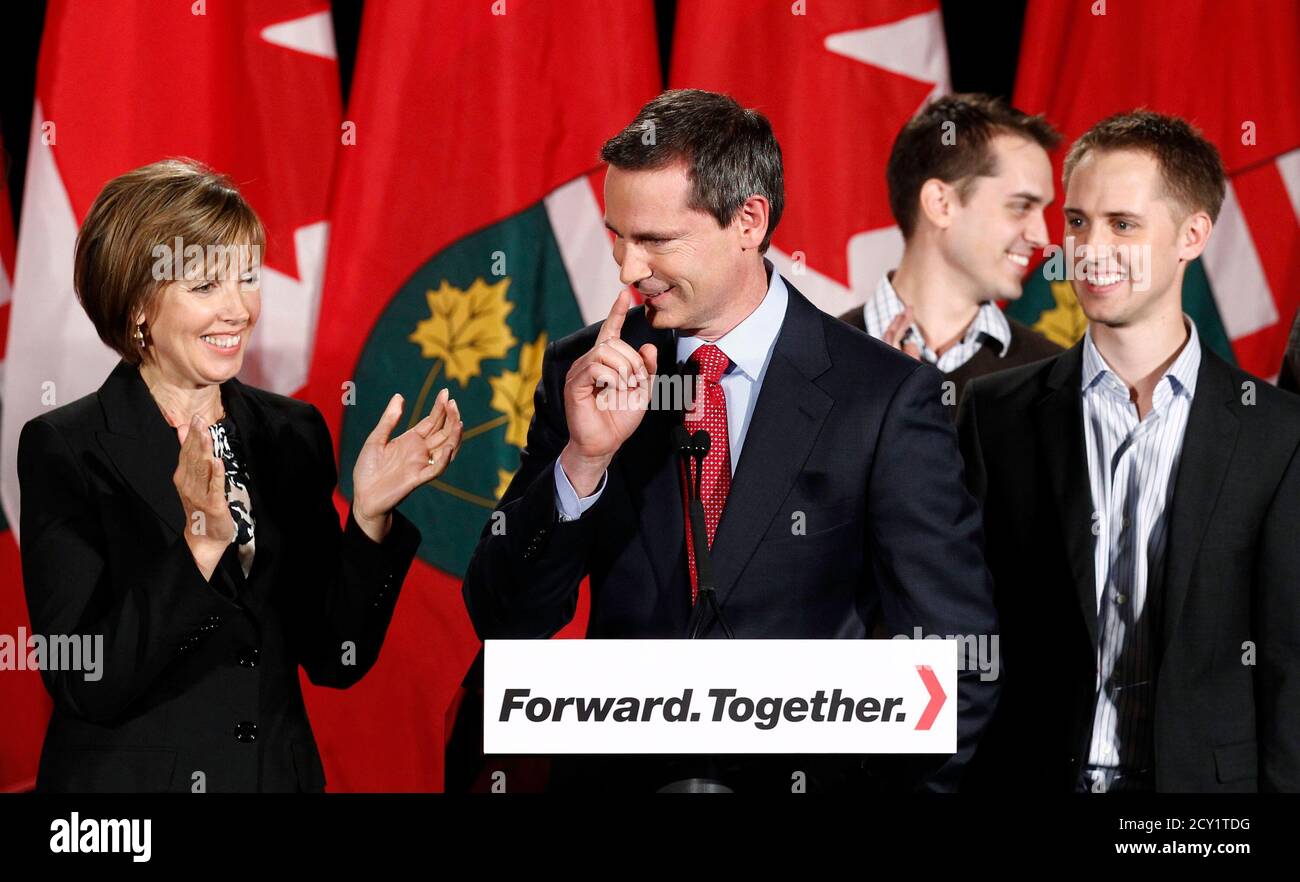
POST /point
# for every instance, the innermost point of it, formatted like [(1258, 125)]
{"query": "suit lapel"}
[(649, 468), (787, 418), (1058, 418), (140, 444), (653, 482), (1208, 446)]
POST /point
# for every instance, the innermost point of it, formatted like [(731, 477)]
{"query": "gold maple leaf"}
[(1065, 322), (503, 481), (465, 327), (512, 392)]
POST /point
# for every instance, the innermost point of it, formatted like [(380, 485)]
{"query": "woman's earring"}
[(139, 335)]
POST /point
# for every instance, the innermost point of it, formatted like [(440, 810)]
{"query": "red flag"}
[(837, 80), (1082, 60), (249, 88), (466, 235), (21, 692)]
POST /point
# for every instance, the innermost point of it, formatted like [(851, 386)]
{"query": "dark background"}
[(983, 47)]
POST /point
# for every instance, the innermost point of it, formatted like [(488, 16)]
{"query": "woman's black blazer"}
[(197, 687)]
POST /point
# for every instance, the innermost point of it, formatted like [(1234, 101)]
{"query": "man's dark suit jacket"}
[(845, 430), (1289, 376), (197, 676), (1025, 346), (1231, 592)]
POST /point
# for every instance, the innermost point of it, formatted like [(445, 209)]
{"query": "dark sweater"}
[(1027, 345)]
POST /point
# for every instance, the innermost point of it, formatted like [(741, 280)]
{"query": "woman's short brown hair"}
[(155, 206)]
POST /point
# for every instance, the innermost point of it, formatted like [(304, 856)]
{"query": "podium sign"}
[(720, 696)]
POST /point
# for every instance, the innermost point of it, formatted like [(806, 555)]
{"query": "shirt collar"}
[(885, 306), (1180, 378), (749, 344)]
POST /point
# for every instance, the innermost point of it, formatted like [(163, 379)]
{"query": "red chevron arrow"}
[(937, 697)]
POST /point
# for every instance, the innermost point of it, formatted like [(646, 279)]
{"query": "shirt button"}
[(245, 732)]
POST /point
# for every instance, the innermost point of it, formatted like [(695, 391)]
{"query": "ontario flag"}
[(252, 89), (837, 80), (1236, 75), (468, 233)]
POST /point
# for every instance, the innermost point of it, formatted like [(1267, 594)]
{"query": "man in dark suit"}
[(870, 470), (968, 178), (1141, 500), (1289, 376)]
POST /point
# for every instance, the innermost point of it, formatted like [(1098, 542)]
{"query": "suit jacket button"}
[(246, 732)]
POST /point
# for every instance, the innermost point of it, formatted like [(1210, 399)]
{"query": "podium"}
[(696, 701)]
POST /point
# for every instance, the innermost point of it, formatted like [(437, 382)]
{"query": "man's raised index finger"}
[(613, 326)]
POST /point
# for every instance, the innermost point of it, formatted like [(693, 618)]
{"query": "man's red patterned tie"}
[(709, 412)]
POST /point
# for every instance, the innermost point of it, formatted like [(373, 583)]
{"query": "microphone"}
[(692, 448), (704, 775)]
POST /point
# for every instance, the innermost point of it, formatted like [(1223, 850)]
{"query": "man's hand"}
[(606, 394), (898, 329)]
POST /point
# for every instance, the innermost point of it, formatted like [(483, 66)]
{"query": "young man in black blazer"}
[(1141, 504), (969, 178), (891, 535)]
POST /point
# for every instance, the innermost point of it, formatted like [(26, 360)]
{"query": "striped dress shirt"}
[(1132, 465)]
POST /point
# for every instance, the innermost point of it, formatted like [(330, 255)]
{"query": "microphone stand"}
[(692, 449)]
